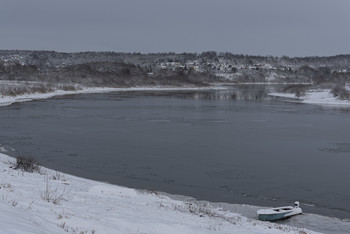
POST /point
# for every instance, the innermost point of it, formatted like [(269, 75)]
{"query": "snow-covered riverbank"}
[(316, 97), (28, 205), (8, 100)]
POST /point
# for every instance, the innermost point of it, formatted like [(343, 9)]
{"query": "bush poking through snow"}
[(27, 164), (52, 195), (341, 92), (6, 186), (298, 89)]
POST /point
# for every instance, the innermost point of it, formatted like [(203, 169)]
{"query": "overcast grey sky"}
[(255, 27)]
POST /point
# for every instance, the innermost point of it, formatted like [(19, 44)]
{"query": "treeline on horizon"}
[(114, 69), (182, 57)]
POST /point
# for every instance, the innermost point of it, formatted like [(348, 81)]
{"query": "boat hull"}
[(273, 217), (278, 213)]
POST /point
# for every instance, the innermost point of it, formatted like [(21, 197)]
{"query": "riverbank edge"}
[(92, 206), (8, 100), (322, 97), (315, 96)]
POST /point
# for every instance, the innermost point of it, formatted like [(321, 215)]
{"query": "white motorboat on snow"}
[(279, 213)]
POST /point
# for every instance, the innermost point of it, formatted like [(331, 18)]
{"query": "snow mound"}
[(317, 97)]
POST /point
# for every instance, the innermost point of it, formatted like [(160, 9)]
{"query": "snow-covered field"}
[(53, 202), (317, 97)]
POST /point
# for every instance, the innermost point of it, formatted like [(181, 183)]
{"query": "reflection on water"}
[(232, 92), (236, 93), (343, 147)]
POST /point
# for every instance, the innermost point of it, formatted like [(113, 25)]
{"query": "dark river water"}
[(236, 145)]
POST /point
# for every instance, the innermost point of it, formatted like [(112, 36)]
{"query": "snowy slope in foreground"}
[(87, 206), (317, 97)]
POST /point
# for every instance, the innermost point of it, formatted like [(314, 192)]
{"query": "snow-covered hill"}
[(53, 202), (112, 69)]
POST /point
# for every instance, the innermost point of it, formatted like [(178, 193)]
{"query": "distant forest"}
[(112, 69)]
